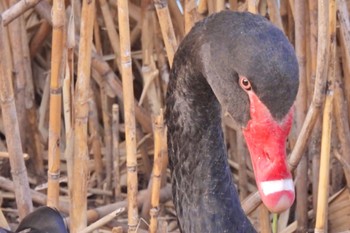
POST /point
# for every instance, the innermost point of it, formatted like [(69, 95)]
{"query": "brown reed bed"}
[(72, 137)]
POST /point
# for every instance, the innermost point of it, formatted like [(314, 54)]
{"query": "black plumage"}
[(203, 83)]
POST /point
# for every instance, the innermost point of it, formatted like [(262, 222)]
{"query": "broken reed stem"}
[(16, 10), (250, 203), (129, 113), (159, 153), (323, 185), (13, 140), (103, 221), (116, 155), (81, 152), (57, 68), (167, 28)]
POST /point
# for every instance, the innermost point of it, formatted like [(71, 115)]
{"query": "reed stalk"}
[(301, 108), (129, 114), (159, 153), (15, 38), (252, 6), (190, 14), (275, 15), (116, 155), (233, 4), (3, 221), (111, 31), (202, 6), (68, 93), (95, 139), (264, 219), (57, 67), (167, 29), (344, 22), (13, 140), (149, 70), (107, 129), (16, 10), (81, 153), (37, 42), (323, 185)]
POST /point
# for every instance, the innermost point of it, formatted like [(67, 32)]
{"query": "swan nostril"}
[(267, 155)]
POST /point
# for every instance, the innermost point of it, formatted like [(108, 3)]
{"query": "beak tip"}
[(277, 195)]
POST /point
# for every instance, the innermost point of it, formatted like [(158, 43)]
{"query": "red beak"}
[(266, 140)]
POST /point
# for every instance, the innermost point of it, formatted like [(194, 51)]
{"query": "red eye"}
[(244, 83)]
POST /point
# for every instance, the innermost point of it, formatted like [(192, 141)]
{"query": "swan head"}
[(253, 72)]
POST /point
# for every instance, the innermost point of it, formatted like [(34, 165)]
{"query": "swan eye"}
[(245, 84)]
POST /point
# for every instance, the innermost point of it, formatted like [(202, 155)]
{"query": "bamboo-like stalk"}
[(103, 221), (96, 140), (323, 188), (15, 38), (68, 93), (81, 154), (220, 5), (301, 108), (16, 10), (202, 6), (58, 21), (252, 6), (149, 71), (275, 13), (344, 22), (341, 119), (190, 14), (107, 129), (264, 219), (233, 5), (116, 155), (39, 37), (13, 140), (167, 29), (314, 147), (129, 114), (177, 19), (159, 152), (111, 31), (3, 221)]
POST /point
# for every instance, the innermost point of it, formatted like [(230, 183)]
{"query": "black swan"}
[(42, 220), (242, 65)]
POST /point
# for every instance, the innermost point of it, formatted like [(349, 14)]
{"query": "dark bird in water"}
[(241, 65), (42, 220)]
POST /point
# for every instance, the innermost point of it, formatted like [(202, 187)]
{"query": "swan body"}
[(42, 220), (242, 65)]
